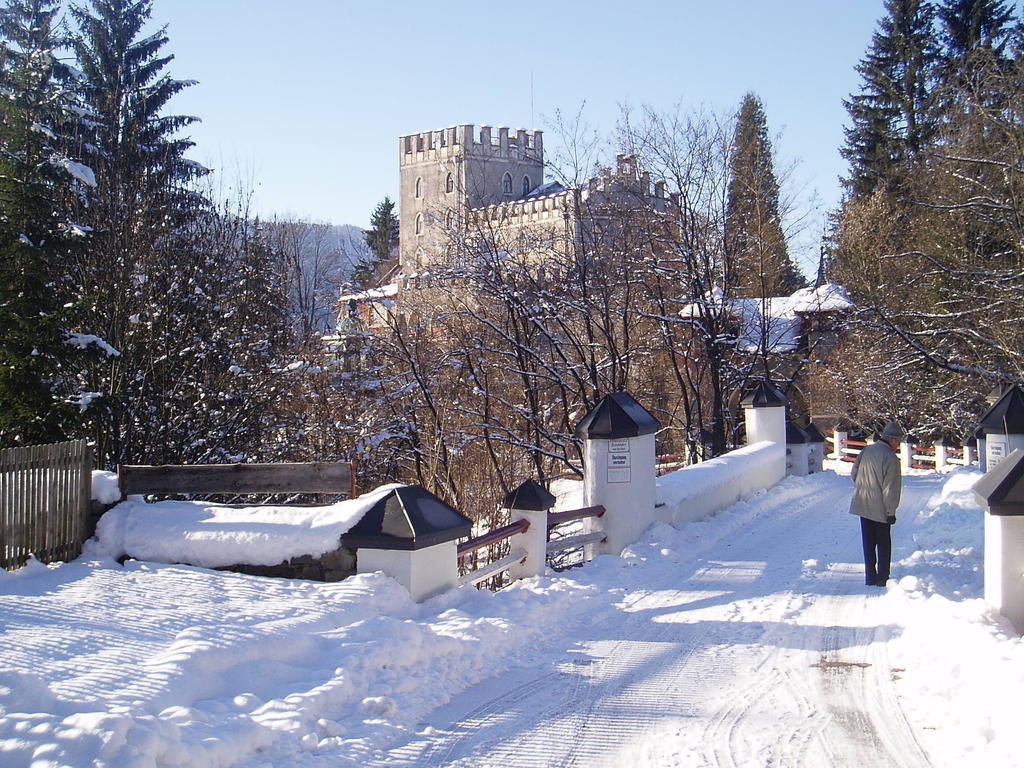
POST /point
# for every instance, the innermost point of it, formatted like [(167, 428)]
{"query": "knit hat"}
[(892, 431)]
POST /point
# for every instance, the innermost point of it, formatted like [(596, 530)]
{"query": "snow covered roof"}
[(383, 292), (778, 316)]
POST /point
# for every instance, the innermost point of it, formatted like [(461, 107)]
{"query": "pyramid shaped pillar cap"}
[(618, 415), (765, 395), (529, 496), (1006, 417), (408, 518), (1001, 490)]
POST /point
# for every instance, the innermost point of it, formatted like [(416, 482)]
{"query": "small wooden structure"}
[(312, 477)]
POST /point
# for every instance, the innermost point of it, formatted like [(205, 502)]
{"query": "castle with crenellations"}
[(466, 178)]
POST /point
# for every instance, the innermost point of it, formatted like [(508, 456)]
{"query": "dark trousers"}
[(877, 539)]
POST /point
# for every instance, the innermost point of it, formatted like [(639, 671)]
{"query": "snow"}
[(79, 171), (83, 340), (747, 638), (778, 316), (216, 535), (383, 292), (105, 488)]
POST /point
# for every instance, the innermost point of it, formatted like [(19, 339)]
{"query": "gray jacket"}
[(876, 476)]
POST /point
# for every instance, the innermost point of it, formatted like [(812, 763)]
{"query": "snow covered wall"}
[(694, 492)]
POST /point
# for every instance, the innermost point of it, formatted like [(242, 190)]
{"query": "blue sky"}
[(307, 98)]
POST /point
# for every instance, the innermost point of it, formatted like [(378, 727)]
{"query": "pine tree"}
[(757, 257), (382, 237), (35, 234), (977, 38), (145, 195), (892, 118)]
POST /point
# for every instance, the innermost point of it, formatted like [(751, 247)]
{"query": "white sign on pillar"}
[(995, 450)]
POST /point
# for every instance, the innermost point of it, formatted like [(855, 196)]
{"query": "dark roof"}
[(409, 517), (530, 495), (795, 435), (618, 415), (814, 434), (546, 189), (764, 395), (1006, 417), (1001, 489)]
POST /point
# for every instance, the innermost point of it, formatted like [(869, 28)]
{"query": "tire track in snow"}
[(672, 672)]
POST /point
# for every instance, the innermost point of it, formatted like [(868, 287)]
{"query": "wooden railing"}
[(45, 493), (912, 455), (517, 554), (579, 540), (488, 539)]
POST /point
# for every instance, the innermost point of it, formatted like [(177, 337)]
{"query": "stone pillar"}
[(797, 450), (424, 572), (906, 453), (619, 469), (815, 448), (1002, 428), (1001, 492), (765, 414), (530, 501), (410, 535), (838, 439)]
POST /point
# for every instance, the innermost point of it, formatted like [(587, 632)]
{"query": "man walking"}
[(878, 484)]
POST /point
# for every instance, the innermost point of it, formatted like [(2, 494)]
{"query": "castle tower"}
[(442, 173)]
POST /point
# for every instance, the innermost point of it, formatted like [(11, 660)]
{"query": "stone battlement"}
[(525, 211), (433, 145)]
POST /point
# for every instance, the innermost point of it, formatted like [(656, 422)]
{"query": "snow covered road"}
[(749, 655), (748, 639)]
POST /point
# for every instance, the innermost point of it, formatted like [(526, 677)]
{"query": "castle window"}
[(506, 184), (449, 183), (449, 219), (526, 186), (419, 224), (419, 258), (419, 186)]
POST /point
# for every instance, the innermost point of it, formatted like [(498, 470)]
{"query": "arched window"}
[(419, 223), (449, 183), (449, 219), (419, 259), (506, 184), (526, 186), (419, 186)]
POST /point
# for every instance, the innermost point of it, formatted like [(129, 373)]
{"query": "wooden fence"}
[(45, 493)]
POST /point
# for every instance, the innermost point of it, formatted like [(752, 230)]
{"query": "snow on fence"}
[(913, 455), (699, 490), (45, 493)]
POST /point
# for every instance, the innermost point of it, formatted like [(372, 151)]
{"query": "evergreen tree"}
[(35, 235), (144, 197), (757, 258), (969, 25), (892, 118), (977, 36), (382, 237)]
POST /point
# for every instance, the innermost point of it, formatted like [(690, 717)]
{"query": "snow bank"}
[(105, 488), (175, 666), (215, 535), (696, 491)]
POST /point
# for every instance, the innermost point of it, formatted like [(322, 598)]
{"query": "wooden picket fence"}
[(45, 493)]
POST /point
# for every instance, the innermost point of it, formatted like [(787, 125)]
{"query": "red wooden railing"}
[(493, 537)]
